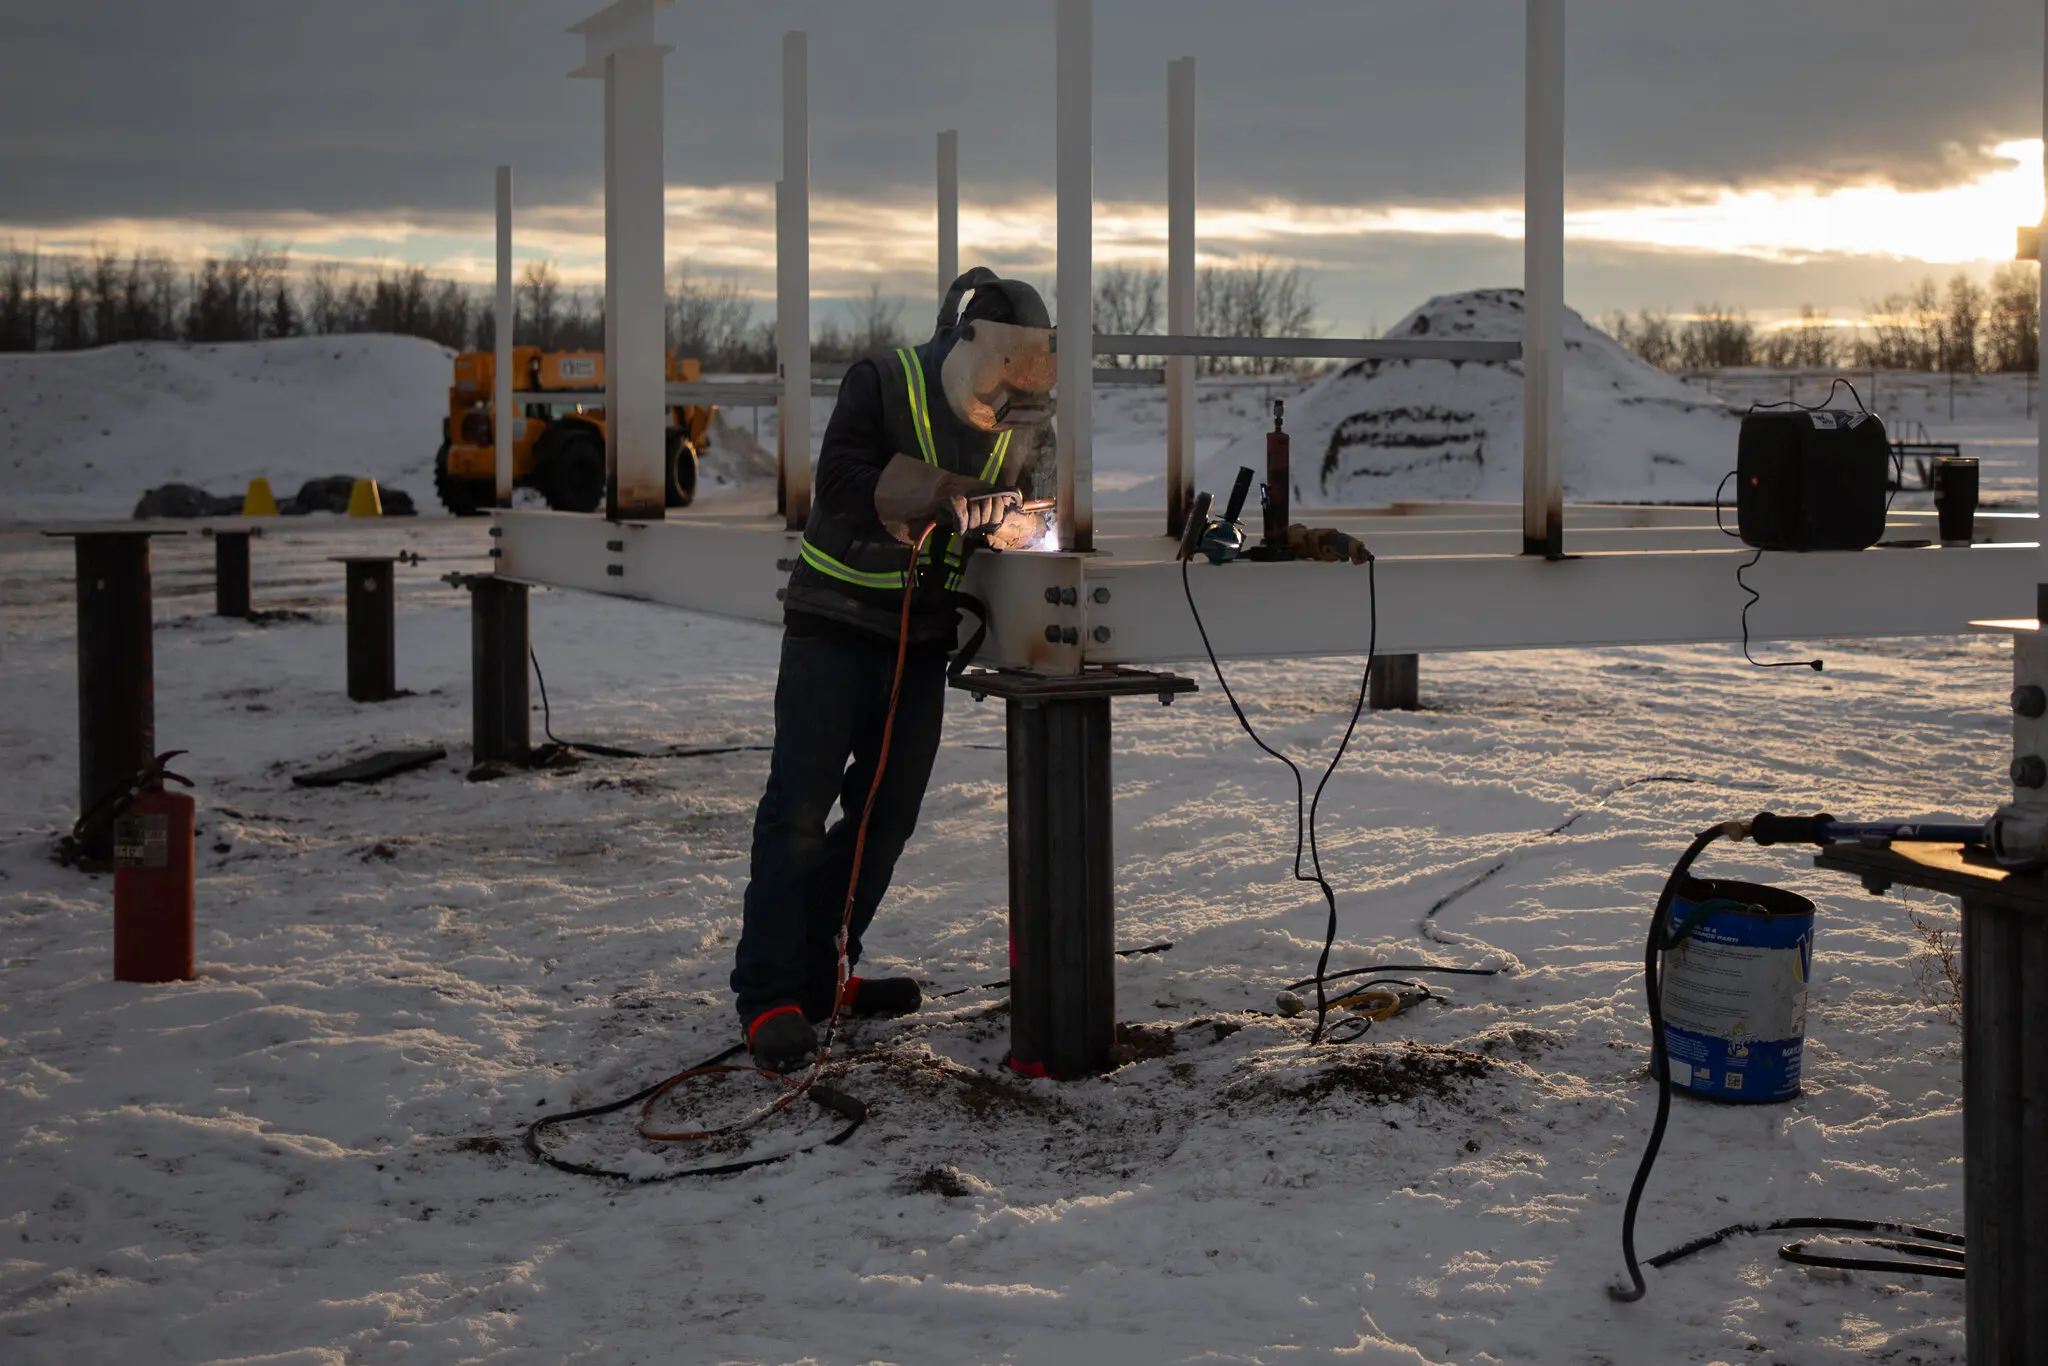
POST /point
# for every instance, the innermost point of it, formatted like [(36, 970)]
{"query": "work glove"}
[(1019, 530), (1326, 544), (981, 511)]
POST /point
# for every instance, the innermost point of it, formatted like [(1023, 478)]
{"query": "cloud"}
[(213, 107)]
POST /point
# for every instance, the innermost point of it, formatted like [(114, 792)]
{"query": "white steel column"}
[(949, 211), (1075, 152), (793, 281), (2041, 456), (501, 336), (1180, 290), (1543, 284), (619, 46)]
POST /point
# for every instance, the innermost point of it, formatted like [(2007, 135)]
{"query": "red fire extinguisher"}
[(153, 879)]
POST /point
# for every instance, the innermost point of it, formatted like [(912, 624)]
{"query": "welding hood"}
[(995, 339)]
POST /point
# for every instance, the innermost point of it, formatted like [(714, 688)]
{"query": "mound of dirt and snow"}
[(84, 433), (1377, 432)]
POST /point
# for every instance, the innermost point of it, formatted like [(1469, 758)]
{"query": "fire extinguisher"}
[(153, 878)]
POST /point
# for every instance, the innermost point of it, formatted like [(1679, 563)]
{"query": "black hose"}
[(1660, 1068)]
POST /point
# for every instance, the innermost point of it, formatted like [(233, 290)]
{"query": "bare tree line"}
[(1258, 299), (1966, 328)]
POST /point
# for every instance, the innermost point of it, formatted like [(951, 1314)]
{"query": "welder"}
[(920, 440)]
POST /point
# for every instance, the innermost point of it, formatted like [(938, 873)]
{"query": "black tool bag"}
[(1812, 480)]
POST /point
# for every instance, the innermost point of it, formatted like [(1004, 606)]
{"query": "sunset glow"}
[(729, 230)]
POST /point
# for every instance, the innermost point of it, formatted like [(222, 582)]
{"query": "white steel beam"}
[(2041, 435), (1127, 606), (619, 47), (1543, 283), (1074, 146), (1180, 290), (949, 211), (1305, 348), (793, 279), (501, 337)]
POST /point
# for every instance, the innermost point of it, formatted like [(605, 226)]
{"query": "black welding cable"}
[(1653, 990), (1429, 927), (547, 726), (1305, 829), (847, 1108), (1944, 1251)]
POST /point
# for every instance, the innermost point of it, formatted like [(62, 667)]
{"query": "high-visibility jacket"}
[(849, 568)]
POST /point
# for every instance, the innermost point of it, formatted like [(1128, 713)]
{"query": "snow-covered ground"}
[(310, 1155)]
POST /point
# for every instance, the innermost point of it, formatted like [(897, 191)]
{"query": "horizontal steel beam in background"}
[(1048, 617), (1308, 348)]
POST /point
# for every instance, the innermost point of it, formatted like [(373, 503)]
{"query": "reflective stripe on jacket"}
[(849, 568)]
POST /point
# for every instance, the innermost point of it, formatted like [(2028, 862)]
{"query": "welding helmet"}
[(998, 364)]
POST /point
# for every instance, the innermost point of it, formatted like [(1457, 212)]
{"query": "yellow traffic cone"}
[(363, 500), (259, 501)]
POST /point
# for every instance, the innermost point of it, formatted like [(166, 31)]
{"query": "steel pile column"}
[(372, 630), (231, 573), (1062, 863), (1062, 887), (1396, 683), (2005, 1130), (501, 724), (116, 673)]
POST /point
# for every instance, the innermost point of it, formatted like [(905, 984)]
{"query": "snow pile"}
[(84, 433), (1378, 432)]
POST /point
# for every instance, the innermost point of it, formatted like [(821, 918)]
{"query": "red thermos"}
[(153, 881)]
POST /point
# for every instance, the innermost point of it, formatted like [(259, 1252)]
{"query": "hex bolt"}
[(1052, 633), (1052, 597), (2029, 771), (1068, 597), (616, 547), (2029, 699), (1100, 595), (1101, 634), (1072, 636)]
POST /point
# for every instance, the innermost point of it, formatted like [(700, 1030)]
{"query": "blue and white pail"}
[(1734, 989)]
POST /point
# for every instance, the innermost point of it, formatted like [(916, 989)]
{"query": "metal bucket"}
[(1734, 989)]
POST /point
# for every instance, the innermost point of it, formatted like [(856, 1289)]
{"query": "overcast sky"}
[(369, 127)]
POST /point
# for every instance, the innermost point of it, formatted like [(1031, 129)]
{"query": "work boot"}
[(871, 997), (782, 1040)]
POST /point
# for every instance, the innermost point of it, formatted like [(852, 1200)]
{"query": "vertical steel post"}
[(501, 338), (782, 250), (372, 630), (1543, 283), (793, 281), (2005, 1132), (2040, 410), (1180, 290), (1396, 683), (619, 48), (116, 673), (1074, 146), (949, 211), (501, 726), (231, 573), (1062, 887)]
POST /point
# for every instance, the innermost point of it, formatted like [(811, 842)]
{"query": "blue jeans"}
[(831, 701)]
